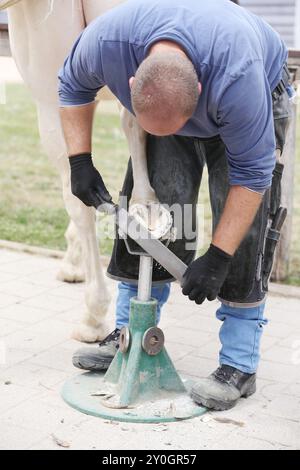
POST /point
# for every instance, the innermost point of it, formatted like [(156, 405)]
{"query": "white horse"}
[(41, 35)]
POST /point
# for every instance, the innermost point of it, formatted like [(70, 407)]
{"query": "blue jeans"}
[(126, 291), (240, 336), (240, 332)]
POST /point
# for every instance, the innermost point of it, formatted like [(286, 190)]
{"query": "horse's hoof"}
[(70, 273), (153, 216), (90, 334)]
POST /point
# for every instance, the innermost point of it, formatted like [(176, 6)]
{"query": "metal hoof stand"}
[(141, 384)]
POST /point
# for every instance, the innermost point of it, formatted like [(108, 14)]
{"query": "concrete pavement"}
[(37, 314)]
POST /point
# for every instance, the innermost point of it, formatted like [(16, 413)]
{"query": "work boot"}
[(98, 358), (223, 388)]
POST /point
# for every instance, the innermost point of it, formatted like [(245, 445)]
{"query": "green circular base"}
[(83, 392)]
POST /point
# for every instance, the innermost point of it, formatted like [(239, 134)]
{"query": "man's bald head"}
[(165, 92)]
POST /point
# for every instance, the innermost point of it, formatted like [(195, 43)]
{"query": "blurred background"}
[(31, 206)]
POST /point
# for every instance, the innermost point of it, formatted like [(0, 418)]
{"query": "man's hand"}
[(86, 181), (204, 277)]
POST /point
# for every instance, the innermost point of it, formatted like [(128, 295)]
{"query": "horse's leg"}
[(32, 32), (40, 41), (72, 266), (144, 202), (97, 296), (142, 190)]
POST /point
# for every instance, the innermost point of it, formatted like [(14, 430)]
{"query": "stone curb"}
[(38, 250)]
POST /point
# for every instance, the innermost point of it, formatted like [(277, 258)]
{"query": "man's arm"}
[(77, 123), (86, 181), (245, 120), (205, 276), (238, 214), (80, 78)]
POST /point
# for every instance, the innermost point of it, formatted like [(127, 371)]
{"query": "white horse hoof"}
[(153, 216), (70, 273), (90, 334)]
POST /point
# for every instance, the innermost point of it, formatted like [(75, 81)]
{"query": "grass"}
[(31, 205)]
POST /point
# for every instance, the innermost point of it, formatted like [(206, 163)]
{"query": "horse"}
[(41, 35)]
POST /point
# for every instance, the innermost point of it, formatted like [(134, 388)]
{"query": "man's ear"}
[(131, 80), (199, 88)]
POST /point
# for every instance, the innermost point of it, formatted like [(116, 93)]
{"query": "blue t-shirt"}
[(238, 58)]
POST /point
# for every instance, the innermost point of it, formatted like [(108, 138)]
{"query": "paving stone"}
[(17, 437), (278, 330), (11, 395), (237, 418), (187, 336), (24, 315), (4, 277), (49, 444), (10, 326), (285, 407), (210, 349), (273, 429), (291, 341), (292, 390), (267, 342), (201, 323), (26, 266), (289, 316), (73, 316), (178, 351), (238, 442), (57, 358), (55, 304), (72, 344), (14, 356), (41, 416), (34, 375), (267, 390), (6, 300), (22, 289), (181, 313), (283, 373), (279, 354), (39, 337), (99, 434), (69, 291), (196, 366), (8, 256), (184, 308), (284, 308), (46, 278)]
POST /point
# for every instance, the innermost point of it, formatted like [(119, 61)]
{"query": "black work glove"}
[(86, 181), (205, 276)]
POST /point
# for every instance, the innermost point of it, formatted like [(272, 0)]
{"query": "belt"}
[(284, 82)]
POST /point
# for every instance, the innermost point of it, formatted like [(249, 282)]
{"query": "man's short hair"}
[(165, 83)]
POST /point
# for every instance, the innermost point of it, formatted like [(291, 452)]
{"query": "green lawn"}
[(31, 206), (32, 209)]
